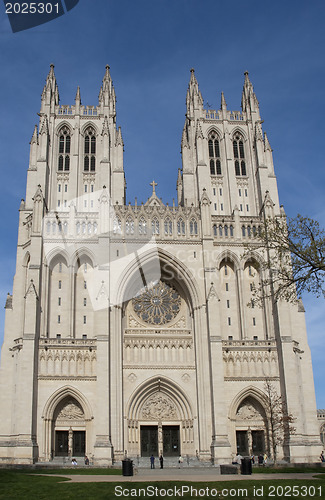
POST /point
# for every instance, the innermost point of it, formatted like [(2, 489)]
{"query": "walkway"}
[(191, 475)]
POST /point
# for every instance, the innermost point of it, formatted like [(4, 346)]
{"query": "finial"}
[(246, 73), (107, 67), (153, 184), (192, 70)]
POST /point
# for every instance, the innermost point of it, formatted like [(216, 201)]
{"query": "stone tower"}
[(128, 330)]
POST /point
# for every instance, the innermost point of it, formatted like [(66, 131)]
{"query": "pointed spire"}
[(184, 142), (249, 100), (44, 129), (179, 177), (194, 100), (34, 139), (119, 140), (100, 97), (50, 94), (78, 97), (267, 146), (223, 102)]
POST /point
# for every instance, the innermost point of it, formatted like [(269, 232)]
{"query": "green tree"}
[(293, 258), (279, 420)]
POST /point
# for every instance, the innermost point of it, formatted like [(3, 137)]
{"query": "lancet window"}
[(180, 227), (193, 226), (239, 156), (142, 226), (214, 154), (168, 227), (155, 226), (129, 226), (90, 150), (64, 149)]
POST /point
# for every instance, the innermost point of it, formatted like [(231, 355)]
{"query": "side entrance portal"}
[(155, 439)]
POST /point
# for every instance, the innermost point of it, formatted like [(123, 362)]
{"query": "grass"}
[(86, 471), (289, 470), (19, 485)]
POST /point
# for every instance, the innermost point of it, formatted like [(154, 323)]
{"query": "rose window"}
[(158, 304)]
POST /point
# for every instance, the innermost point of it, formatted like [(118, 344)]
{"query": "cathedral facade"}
[(128, 331)]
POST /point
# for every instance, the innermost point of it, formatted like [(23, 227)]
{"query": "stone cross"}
[(153, 184)]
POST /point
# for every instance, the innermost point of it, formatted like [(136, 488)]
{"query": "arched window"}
[(214, 230), (214, 154), (231, 230), (193, 226), (220, 230), (117, 225), (239, 156), (90, 150), (142, 226), (226, 230), (155, 226), (180, 227), (64, 149), (168, 227), (243, 230), (129, 226)]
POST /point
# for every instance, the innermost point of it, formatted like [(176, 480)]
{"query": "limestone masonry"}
[(128, 330)]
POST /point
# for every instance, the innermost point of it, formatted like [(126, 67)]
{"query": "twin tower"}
[(128, 331)]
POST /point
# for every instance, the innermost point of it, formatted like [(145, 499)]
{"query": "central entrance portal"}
[(150, 443), (171, 440)]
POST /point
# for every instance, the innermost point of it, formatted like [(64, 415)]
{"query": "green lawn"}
[(19, 485), (288, 470)]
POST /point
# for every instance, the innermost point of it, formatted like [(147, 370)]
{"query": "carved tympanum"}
[(71, 412), (158, 407)]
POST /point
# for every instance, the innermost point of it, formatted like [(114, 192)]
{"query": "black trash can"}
[(246, 466), (127, 467)]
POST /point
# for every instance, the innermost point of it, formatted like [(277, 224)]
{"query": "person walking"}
[(152, 462), (180, 461), (161, 460), (322, 457)]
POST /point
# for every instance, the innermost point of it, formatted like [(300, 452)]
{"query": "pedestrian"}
[(74, 461), (253, 459), (322, 457), (152, 462), (264, 459), (180, 461), (86, 460), (260, 459), (161, 460)]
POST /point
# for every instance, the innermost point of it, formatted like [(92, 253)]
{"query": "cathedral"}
[(128, 331)]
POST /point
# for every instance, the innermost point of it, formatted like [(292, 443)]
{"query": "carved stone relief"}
[(159, 406), (71, 411)]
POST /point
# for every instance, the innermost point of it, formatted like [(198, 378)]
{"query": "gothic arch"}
[(81, 254), (253, 258), (238, 130), (250, 391), (61, 394), (26, 259), (167, 388), (87, 125), (55, 253), (183, 275), (228, 256), (61, 125), (213, 129), (59, 256)]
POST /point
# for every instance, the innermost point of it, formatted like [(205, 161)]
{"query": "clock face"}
[(157, 304)]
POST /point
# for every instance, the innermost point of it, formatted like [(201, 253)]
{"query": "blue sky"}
[(151, 46)]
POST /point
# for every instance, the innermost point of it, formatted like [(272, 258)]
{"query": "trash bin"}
[(127, 467), (246, 466)]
